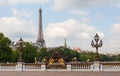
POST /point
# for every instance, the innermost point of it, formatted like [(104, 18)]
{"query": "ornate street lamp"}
[(20, 46), (98, 43)]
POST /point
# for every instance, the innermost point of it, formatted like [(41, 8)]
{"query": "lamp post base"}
[(20, 66), (97, 58), (96, 66)]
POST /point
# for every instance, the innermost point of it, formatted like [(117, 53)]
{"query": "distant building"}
[(77, 49), (13, 45)]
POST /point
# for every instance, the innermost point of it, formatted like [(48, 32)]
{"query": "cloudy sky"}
[(76, 20)]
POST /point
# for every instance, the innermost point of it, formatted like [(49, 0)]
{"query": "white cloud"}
[(118, 5), (79, 12), (69, 28), (54, 31), (84, 19), (115, 33), (62, 4), (83, 35), (115, 28), (73, 30), (117, 18), (21, 13), (15, 28), (18, 26), (111, 42), (1, 2), (13, 2), (98, 16)]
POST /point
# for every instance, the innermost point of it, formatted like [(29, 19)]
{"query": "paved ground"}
[(59, 73)]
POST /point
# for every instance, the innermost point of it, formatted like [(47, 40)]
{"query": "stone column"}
[(43, 67), (96, 66), (0, 67), (101, 67), (92, 67), (20, 66), (69, 67)]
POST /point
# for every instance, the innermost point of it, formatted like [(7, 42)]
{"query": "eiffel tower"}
[(40, 39)]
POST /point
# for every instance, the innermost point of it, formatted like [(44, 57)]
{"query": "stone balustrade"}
[(72, 66), (7, 67), (110, 66), (78, 66)]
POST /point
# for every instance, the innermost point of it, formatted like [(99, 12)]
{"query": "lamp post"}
[(20, 46), (96, 45)]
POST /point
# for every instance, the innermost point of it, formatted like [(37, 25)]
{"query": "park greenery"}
[(30, 53)]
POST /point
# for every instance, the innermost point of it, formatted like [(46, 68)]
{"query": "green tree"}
[(87, 56), (68, 54), (29, 53), (5, 50), (43, 53), (103, 57), (118, 57), (15, 55)]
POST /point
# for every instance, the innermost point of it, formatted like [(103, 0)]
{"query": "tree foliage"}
[(29, 53), (87, 56), (5, 50), (68, 54), (42, 53), (15, 55)]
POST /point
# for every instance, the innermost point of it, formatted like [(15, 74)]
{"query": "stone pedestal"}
[(92, 67), (56, 66), (0, 67), (20, 66), (101, 67), (68, 67), (43, 67), (96, 66)]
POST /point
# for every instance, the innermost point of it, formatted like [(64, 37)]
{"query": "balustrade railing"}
[(72, 66), (110, 66), (8, 67), (81, 66), (32, 66)]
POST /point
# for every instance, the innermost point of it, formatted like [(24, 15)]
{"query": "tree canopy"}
[(5, 50), (29, 53)]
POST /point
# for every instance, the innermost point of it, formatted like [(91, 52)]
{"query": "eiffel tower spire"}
[(40, 39), (65, 44)]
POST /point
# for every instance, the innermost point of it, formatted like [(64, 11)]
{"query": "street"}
[(59, 73)]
